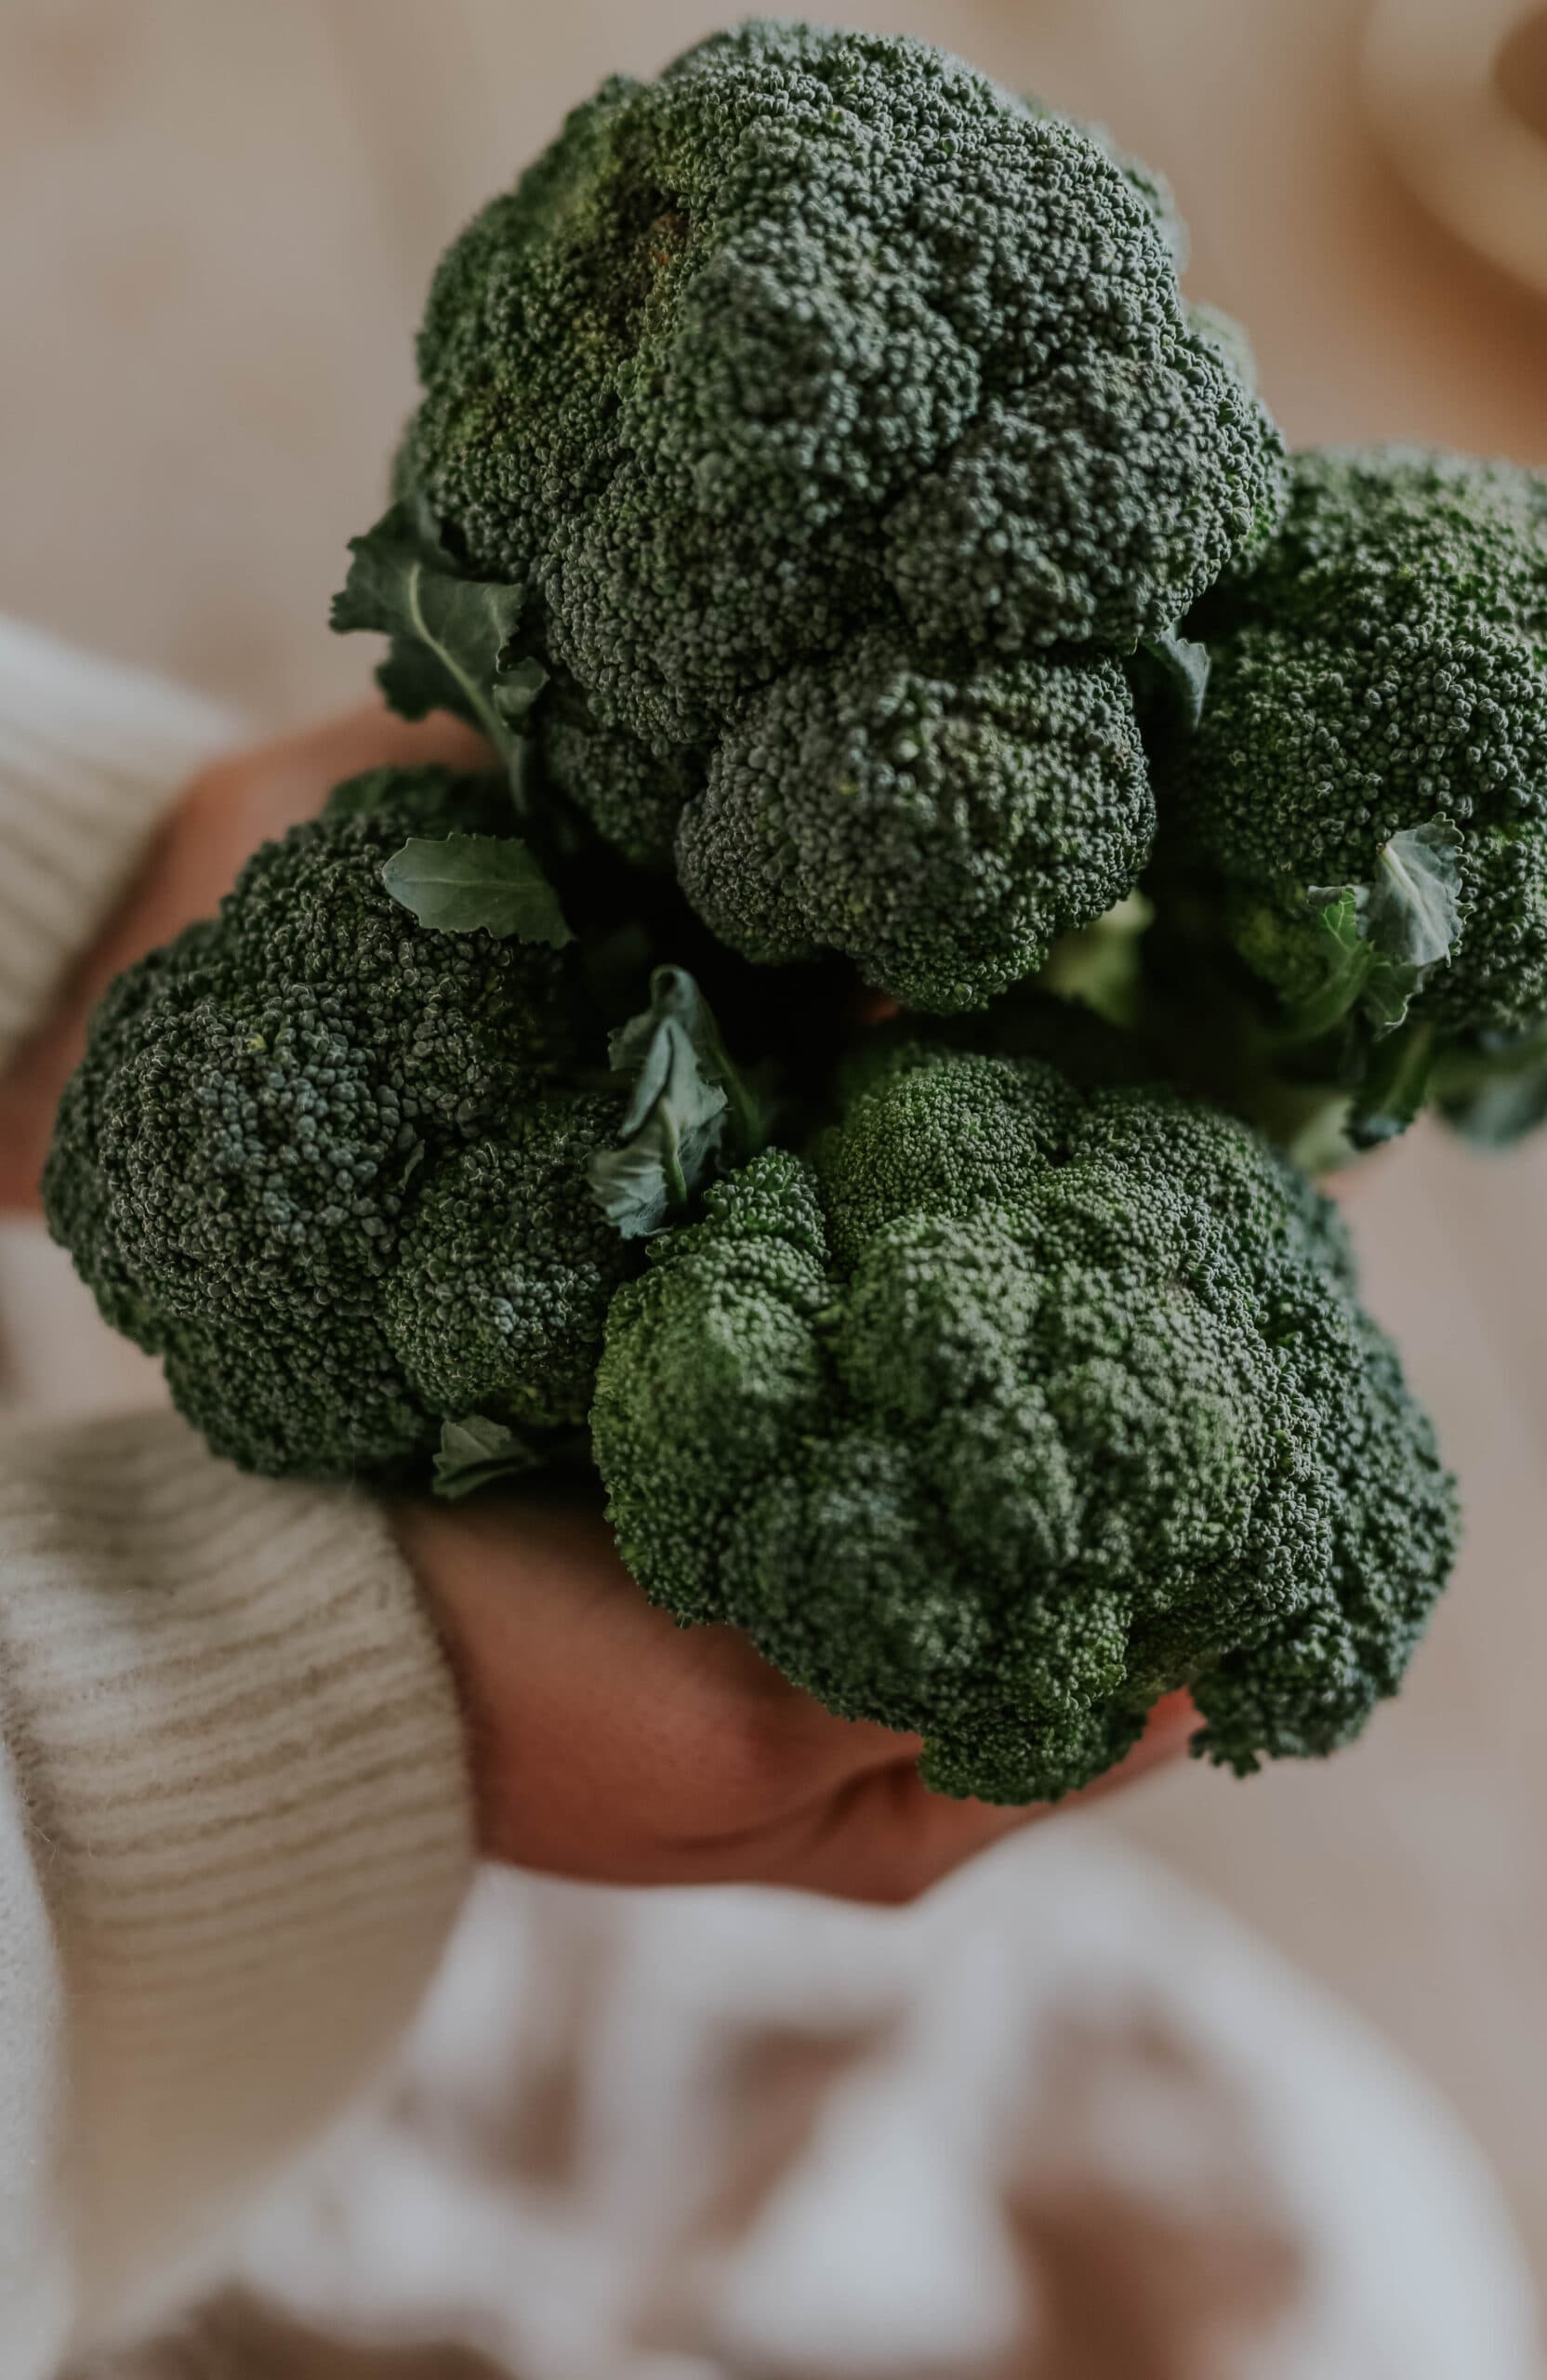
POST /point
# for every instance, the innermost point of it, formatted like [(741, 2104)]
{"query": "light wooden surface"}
[(216, 223)]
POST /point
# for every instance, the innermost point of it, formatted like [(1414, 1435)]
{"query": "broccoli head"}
[(330, 1164), (1012, 1406), (948, 830), (1369, 774), (818, 347)]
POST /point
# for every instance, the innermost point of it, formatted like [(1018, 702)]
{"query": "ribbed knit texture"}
[(244, 1815), (91, 754), (235, 1821)]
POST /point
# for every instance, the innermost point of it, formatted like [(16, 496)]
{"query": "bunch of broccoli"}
[(877, 586), (332, 1166)]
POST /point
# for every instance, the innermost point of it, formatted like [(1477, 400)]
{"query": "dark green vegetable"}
[(450, 637), (330, 1162), (1369, 777), (459, 882), (824, 380), (842, 530), (688, 1111), (955, 830), (1010, 1408)]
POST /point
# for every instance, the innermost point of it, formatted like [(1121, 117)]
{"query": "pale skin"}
[(605, 1742)]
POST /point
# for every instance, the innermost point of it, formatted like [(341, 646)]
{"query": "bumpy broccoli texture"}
[(972, 816), (823, 384), (330, 1164), (1010, 1406), (1380, 672)]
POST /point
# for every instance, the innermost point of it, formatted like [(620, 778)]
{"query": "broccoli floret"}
[(504, 1267), (1378, 699), (330, 1163), (1010, 1406), (823, 340), (940, 831), (632, 796)]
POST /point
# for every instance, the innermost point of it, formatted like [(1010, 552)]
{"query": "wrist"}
[(442, 1559)]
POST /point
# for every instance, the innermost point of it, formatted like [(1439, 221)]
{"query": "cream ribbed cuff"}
[(91, 754), (246, 1806)]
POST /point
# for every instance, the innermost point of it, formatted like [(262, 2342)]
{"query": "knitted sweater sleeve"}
[(91, 754), (235, 1825)]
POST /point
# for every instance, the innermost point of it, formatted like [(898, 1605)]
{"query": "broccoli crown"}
[(328, 1162), (821, 334), (942, 832), (1380, 666), (1012, 1406)]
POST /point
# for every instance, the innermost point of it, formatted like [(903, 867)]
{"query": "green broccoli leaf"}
[(1175, 667), (475, 1451), (516, 687), (460, 882), (451, 635), (1347, 960), (1380, 941), (415, 683), (686, 1103), (1413, 912)]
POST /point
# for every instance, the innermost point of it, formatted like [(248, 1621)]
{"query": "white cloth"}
[(1063, 2117)]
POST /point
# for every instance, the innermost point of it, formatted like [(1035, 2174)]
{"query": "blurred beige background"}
[(216, 224)]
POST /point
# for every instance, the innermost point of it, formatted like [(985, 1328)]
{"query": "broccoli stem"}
[(1395, 1087), (746, 1109), (677, 1188)]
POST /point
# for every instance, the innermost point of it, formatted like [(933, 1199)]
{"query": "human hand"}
[(610, 1744), (230, 809)]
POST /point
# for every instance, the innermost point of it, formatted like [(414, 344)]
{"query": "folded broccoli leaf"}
[(1413, 910), (474, 1450), (1174, 670), (687, 1106), (1380, 941), (451, 636), (457, 883), (1354, 972)]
